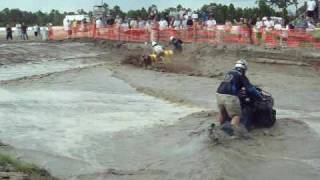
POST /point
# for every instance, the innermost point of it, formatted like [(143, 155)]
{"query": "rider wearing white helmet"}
[(229, 91), (241, 65), (157, 49), (177, 44)]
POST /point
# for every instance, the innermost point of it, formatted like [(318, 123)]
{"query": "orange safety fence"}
[(216, 35)]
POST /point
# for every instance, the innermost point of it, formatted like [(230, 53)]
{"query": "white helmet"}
[(242, 63), (153, 43), (171, 38)]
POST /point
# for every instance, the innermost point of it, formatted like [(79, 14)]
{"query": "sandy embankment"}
[(290, 150)]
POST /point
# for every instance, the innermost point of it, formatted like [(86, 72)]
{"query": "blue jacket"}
[(177, 44), (234, 81)]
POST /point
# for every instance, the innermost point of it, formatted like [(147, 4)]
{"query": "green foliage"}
[(223, 12), (282, 4), (13, 16), (142, 13), (18, 166)]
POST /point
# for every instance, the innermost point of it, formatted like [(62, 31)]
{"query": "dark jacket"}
[(189, 22), (9, 30), (234, 81), (177, 44), (24, 29)]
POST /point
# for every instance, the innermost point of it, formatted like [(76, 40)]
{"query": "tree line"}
[(220, 12)]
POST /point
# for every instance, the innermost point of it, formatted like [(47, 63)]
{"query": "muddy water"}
[(71, 114), (86, 124)]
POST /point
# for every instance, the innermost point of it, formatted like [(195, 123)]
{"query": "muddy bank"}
[(13, 168), (209, 60)]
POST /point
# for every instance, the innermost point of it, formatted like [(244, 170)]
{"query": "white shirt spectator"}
[(184, 23), (67, 25), (142, 24), (277, 26), (133, 24), (118, 20), (125, 25), (182, 13), (177, 23), (211, 23), (99, 23), (36, 28), (158, 49), (269, 24), (259, 24), (163, 24), (311, 5)]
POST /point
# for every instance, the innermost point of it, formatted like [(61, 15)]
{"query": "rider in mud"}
[(229, 92), (177, 44), (158, 50)]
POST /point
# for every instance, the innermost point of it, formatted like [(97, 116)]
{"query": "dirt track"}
[(182, 151)]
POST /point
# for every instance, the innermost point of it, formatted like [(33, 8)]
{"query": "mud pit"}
[(82, 120)]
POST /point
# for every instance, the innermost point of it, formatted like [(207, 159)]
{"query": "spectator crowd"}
[(21, 31)]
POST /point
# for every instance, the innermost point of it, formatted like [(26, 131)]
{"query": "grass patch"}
[(316, 34), (14, 165)]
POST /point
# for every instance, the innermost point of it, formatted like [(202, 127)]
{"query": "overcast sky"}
[(72, 5)]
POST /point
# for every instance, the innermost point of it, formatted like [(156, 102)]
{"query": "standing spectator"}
[(141, 23), (84, 25), (133, 23), (67, 27), (250, 24), (278, 25), (9, 32), (110, 20), (24, 31), (259, 24), (99, 23), (74, 25), (125, 23), (163, 24), (118, 20), (199, 24), (259, 30), (98, 26), (50, 31), (36, 30), (189, 22), (176, 23), (311, 7), (18, 29), (182, 13), (211, 23), (228, 26), (184, 22), (269, 24)]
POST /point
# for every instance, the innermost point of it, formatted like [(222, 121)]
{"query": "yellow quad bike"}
[(166, 55)]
